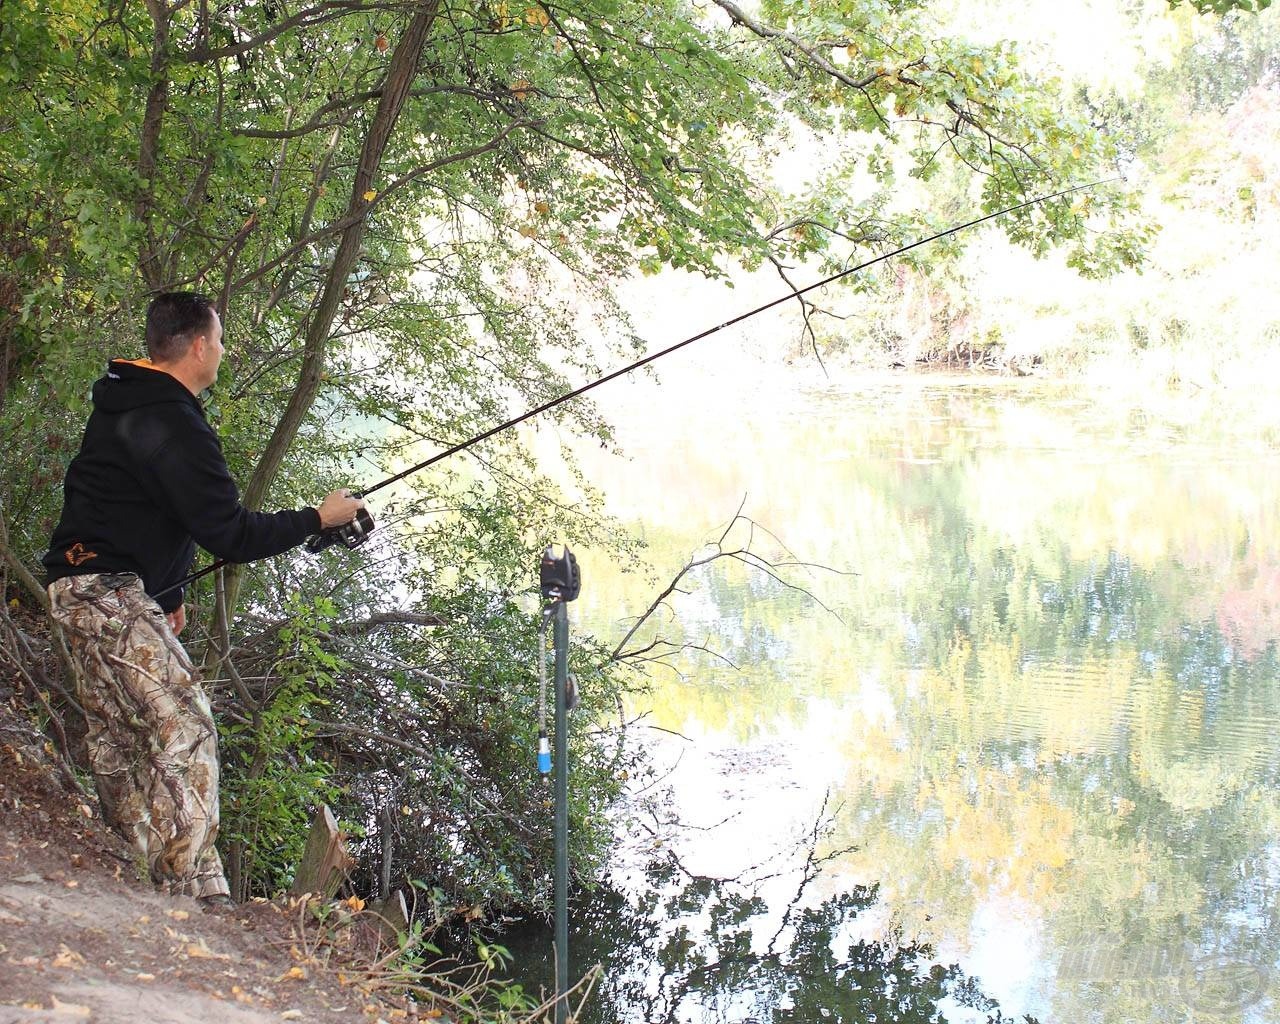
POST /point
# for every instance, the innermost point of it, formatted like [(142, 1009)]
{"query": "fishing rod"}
[(354, 533)]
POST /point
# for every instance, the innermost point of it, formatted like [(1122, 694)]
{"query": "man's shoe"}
[(218, 901)]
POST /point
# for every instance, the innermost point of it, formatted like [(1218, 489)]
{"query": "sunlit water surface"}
[(1022, 764)]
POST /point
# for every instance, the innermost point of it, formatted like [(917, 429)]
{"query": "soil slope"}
[(81, 939)]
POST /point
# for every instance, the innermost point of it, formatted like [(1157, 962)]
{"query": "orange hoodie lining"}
[(147, 364)]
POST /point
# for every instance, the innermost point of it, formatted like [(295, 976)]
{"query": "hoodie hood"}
[(131, 384)]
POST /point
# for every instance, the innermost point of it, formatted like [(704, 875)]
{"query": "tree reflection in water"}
[(711, 951)]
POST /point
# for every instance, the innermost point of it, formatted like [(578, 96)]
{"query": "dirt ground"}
[(82, 939)]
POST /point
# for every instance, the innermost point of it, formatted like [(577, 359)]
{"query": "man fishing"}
[(148, 484)]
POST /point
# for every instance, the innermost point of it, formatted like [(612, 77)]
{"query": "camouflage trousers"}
[(152, 743)]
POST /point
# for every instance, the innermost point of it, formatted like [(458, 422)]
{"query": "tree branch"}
[(400, 75), (149, 144)]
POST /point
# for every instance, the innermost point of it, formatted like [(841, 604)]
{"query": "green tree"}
[(404, 210)]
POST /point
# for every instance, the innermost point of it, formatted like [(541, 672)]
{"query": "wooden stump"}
[(391, 916), (325, 861)]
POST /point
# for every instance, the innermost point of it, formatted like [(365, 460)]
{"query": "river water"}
[(1005, 749)]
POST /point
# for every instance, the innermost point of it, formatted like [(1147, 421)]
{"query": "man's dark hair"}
[(174, 321)]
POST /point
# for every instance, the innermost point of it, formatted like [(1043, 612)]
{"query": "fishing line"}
[(358, 530)]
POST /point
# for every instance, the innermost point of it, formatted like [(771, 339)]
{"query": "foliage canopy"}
[(411, 214)]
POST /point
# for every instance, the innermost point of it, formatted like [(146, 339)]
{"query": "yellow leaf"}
[(520, 89), (294, 973), (977, 66), (199, 951), (371, 195), (67, 958), (355, 903), (536, 16), (69, 1009), (542, 207)]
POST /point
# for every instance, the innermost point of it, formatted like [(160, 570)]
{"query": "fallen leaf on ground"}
[(67, 958), (69, 1009), (199, 951)]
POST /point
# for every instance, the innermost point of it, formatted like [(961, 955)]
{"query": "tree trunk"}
[(405, 61)]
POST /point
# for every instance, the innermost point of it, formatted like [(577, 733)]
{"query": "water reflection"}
[(692, 949), (1047, 709)]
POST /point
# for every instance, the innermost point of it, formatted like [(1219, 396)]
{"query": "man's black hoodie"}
[(150, 483)]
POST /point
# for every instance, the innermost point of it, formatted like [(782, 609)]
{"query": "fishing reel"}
[(559, 576), (350, 535)]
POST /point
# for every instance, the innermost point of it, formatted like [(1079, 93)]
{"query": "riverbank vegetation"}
[(413, 216)]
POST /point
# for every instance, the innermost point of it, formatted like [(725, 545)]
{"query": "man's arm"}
[(192, 476)]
